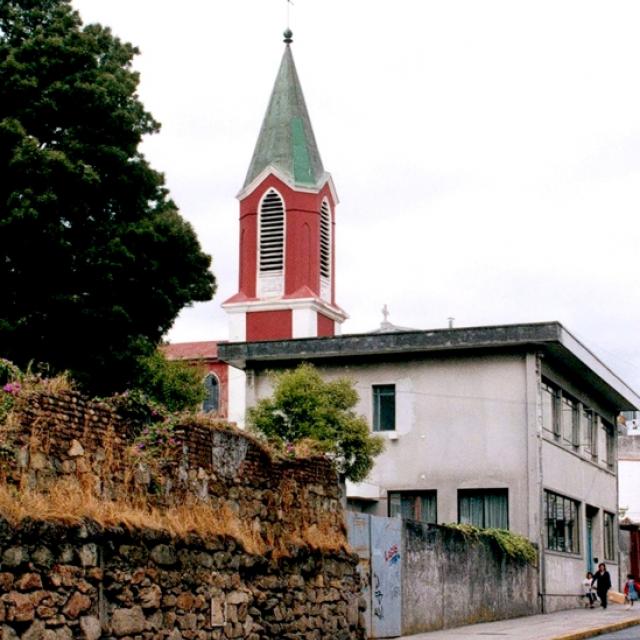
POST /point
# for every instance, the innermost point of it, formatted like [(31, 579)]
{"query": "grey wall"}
[(449, 581)]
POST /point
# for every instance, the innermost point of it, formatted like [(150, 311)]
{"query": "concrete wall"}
[(449, 581), (629, 473), (470, 411)]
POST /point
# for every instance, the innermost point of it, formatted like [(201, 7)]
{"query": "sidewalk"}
[(573, 624)]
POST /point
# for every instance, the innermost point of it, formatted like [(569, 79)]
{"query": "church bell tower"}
[(287, 227)]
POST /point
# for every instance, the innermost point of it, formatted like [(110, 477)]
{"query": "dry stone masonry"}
[(58, 580)]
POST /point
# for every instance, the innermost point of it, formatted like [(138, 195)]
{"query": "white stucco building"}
[(507, 426)]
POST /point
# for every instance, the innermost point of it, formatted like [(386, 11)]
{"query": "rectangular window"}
[(384, 407), (569, 420), (610, 440), (609, 537), (587, 426), (413, 505), (594, 436), (550, 409), (485, 508), (561, 519)]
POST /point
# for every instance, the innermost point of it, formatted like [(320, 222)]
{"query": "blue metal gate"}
[(377, 541)]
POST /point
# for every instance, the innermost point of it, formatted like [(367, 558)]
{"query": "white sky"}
[(486, 153)]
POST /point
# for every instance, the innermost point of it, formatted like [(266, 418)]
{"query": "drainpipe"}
[(542, 556)]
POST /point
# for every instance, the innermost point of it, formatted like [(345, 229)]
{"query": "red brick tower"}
[(287, 227)]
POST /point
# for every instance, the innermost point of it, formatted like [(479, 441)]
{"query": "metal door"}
[(386, 576), (359, 532), (377, 542)]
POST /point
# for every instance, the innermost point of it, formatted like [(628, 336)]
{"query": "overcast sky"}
[(486, 153)]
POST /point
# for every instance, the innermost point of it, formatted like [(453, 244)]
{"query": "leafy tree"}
[(304, 406), (96, 260), (176, 385)]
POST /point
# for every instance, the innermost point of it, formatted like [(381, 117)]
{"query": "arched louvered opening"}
[(271, 232), (325, 250), (211, 402), (271, 245)]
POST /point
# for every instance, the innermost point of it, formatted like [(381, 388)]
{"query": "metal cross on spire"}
[(385, 313), (289, 3)]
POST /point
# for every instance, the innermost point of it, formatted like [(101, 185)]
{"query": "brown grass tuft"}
[(68, 504)]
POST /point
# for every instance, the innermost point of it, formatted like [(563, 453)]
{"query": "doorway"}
[(591, 519)]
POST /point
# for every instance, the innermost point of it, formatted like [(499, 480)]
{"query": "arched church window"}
[(212, 394), (271, 232)]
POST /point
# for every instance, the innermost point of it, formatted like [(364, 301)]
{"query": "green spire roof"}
[(286, 139)]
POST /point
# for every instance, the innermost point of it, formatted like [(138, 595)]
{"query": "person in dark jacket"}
[(602, 580)]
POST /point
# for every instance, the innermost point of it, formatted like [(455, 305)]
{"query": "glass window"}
[(413, 505), (550, 417), (212, 394), (587, 425), (384, 407), (486, 508), (610, 440), (570, 424), (609, 536), (594, 436), (561, 518)]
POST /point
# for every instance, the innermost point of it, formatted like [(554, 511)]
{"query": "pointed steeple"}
[(286, 141)]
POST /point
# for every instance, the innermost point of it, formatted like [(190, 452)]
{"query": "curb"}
[(592, 633)]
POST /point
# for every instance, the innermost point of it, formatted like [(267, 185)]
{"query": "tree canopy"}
[(96, 260), (305, 407)]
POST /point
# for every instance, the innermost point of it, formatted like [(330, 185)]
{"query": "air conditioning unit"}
[(393, 435)]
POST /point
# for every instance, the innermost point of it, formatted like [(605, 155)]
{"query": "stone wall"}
[(58, 583), (66, 436), (78, 578), (450, 581)]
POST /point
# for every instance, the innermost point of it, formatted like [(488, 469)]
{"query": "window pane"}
[(609, 533), (496, 511), (384, 407), (547, 407), (561, 516), (212, 393), (394, 505), (413, 505), (485, 508)]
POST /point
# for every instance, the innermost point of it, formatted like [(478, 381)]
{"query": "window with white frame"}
[(485, 508), (384, 407), (271, 232), (561, 520)]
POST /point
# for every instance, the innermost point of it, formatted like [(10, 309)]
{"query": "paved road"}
[(627, 634)]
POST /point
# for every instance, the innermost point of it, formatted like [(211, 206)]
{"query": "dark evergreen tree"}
[(95, 260)]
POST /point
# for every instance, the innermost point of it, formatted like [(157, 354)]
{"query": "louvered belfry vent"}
[(325, 240), (272, 233)]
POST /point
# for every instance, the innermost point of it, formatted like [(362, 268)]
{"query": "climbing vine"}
[(512, 545)]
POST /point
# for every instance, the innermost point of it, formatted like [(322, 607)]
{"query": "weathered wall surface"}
[(286, 574), (449, 581), (59, 583), (68, 437)]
